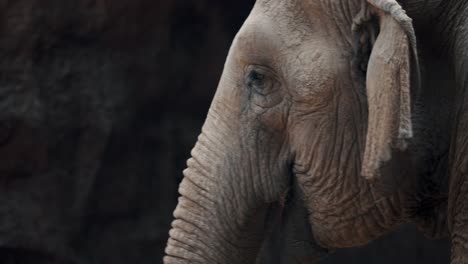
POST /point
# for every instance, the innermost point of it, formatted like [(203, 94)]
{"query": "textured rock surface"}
[(100, 103)]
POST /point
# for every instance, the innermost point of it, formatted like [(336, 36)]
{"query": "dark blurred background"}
[(100, 104)]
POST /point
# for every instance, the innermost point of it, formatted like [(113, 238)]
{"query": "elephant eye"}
[(257, 77), (260, 80)]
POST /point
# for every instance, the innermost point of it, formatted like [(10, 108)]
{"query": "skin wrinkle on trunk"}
[(229, 211), (191, 237), (210, 156)]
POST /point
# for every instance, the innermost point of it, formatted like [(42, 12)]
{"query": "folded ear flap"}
[(388, 87)]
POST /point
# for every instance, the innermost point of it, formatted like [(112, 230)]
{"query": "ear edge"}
[(393, 59), (395, 10)]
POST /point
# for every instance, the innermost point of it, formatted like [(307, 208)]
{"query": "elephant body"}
[(352, 110)]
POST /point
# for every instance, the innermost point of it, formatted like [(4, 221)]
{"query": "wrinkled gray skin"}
[(321, 97)]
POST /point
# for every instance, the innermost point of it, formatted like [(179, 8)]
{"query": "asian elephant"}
[(357, 110)]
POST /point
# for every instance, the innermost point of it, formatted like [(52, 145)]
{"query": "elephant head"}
[(315, 91)]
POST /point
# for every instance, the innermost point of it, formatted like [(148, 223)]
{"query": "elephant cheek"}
[(272, 120)]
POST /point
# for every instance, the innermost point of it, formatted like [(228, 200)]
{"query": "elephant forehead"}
[(285, 25), (272, 36), (341, 11), (257, 42), (311, 67)]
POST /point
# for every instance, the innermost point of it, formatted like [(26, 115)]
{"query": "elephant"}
[(335, 122)]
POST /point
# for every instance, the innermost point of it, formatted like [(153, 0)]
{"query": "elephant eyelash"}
[(260, 80), (256, 76)]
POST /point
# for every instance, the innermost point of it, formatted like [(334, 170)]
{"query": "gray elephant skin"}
[(334, 122)]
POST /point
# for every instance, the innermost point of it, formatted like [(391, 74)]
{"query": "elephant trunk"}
[(220, 217)]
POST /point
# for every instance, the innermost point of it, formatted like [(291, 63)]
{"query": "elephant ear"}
[(388, 84)]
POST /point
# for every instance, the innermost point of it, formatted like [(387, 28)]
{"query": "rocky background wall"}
[(100, 104)]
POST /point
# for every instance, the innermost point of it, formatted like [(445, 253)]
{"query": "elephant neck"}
[(452, 29)]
